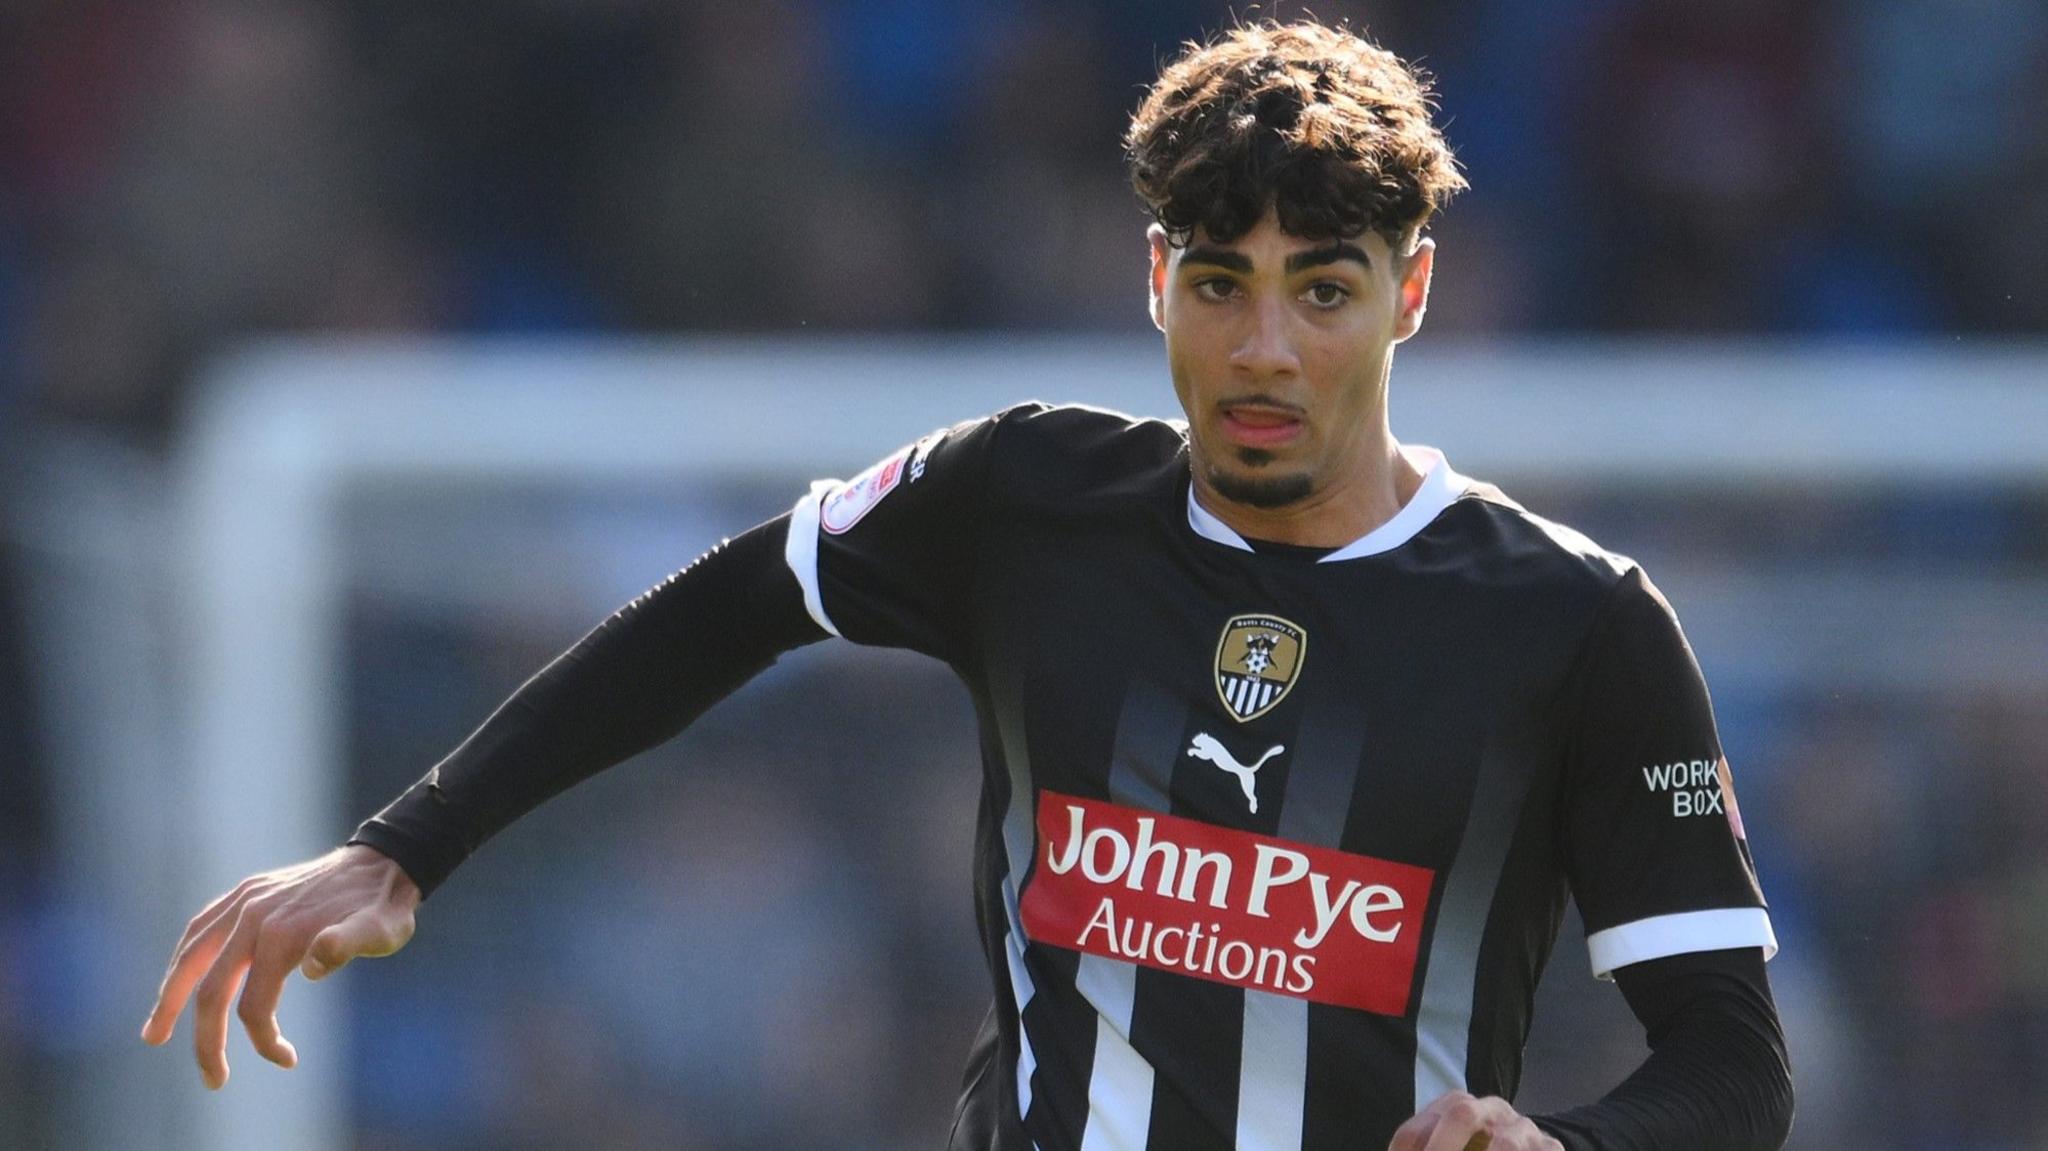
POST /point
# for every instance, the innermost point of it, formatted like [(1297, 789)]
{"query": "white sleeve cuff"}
[(1680, 934), (801, 551)]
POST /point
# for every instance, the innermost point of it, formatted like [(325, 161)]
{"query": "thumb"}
[(360, 934)]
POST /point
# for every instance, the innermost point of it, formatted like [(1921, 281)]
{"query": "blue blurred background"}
[(763, 952)]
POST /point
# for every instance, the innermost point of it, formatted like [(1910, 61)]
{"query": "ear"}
[(1161, 252), (1415, 274)]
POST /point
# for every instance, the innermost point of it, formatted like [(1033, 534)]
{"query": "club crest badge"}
[(1257, 662)]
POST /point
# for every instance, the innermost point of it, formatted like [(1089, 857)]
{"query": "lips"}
[(1260, 425)]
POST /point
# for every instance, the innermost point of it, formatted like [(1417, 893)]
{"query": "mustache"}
[(1261, 400)]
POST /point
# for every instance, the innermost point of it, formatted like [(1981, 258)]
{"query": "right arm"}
[(636, 680), (899, 577)]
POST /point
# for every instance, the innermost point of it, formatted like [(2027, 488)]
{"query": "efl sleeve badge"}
[(844, 505)]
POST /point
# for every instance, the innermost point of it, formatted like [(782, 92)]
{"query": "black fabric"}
[(636, 680), (1487, 694), (1468, 724), (899, 544), (1717, 1078), (1649, 800)]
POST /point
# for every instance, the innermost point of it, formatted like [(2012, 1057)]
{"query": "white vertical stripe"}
[(1022, 988), (1443, 1017), (801, 550), (1120, 1084), (1017, 849), (1440, 1042), (1272, 1074)]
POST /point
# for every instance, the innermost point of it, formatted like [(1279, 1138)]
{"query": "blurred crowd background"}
[(179, 177), (176, 174)]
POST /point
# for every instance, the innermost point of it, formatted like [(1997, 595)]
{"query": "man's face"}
[(1279, 349)]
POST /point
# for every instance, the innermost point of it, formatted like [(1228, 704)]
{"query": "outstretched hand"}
[(1457, 1121), (315, 916)]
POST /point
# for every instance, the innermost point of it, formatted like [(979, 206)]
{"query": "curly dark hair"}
[(1330, 129)]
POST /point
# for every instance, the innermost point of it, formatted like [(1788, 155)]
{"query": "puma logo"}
[(1205, 746)]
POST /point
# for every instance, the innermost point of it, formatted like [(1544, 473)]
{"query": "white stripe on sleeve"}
[(801, 551), (1680, 934)]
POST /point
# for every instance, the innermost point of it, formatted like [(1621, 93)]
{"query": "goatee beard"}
[(1262, 492)]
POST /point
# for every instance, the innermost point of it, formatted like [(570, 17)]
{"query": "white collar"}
[(1441, 486)]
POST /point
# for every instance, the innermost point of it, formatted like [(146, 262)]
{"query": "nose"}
[(1266, 350)]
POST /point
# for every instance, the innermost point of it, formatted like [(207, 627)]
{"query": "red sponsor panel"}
[(1224, 905)]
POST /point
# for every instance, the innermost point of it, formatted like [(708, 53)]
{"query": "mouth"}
[(1260, 423)]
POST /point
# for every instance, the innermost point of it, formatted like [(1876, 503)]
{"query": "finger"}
[(216, 992), (210, 915), (1453, 1136), (1449, 1099), (275, 956), (1461, 1126), (1523, 1135), (365, 934), (1414, 1134), (195, 951)]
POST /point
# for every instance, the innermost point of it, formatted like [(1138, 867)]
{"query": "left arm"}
[(1717, 1076), (1654, 850)]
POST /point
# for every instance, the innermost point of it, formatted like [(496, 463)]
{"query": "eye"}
[(1327, 294), (1215, 289)]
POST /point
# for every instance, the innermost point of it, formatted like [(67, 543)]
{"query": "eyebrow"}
[(1221, 257), (1242, 264), (1328, 254)]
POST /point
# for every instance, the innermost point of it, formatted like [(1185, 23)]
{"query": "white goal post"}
[(281, 433)]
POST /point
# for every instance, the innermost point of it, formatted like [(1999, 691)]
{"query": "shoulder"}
[(1080, 430), (1510, 545), (1619, 597), (1601, 604), (1066, 450)]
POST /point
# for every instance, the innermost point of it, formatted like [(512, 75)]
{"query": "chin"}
[(1260, 490)]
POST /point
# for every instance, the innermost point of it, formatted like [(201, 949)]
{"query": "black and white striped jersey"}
[(1272, 848)]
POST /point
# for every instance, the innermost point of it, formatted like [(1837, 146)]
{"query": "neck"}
[(1372, 491)]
